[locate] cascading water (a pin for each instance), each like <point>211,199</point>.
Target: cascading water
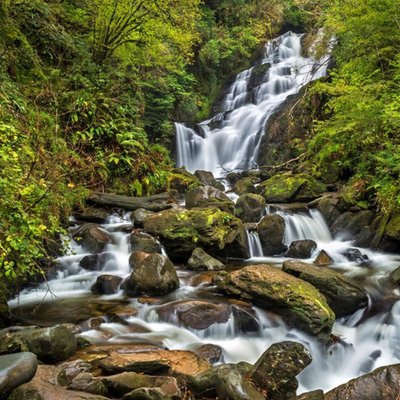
<point>234,145</point>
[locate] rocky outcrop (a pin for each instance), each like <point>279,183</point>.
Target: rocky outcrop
<point>301,249</point>
<point>208,196</point>
<point>200,260</point>
<point>297,301</point>
<point>152,274</point>
<point>250,207</point>
<point>271,231</point>
<point>288,187</point>
<point>276,370</point>
<point>343,294</point>
<point>181,231</point>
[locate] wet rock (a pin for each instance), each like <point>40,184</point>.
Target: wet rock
<point>152,274</point>
<point>86,382</point>
<point>323,259</point>
<point>211,353</point>
<point>250,207</point>
<point>301,249</point>
<point>208,196</point>
<point>93,215</point>
<point>208,179</point>
<point>181,180</point>
<point>49,344</point>
<point>276,370</point>
<point>258,74</point>
<point>181,231</point>
<point>41,388</point>
<point>352,224</point>
<point>297,301</point>
<point>381,384</point>
<point>225,382</point>
<point>141,241</point>
<point>271,231</point>
<point>106,284</point>
<point>5,315</point>
<point>368,364</point>
<point>343,294</point>
<point>91,237</point>
<point>138,216</point>
<point>174,362</point>
<point>354,255</point>
<point>329,207</point>
<point>69,370</point>
<point>394,276</point>
<point>244,185</point>
<point>314,395</point>
<point>16,369</point>
<point>245,319</point>
<point>200,260</point>
<point>11,343</point>
<point>288,187</point>
<point>94,262</point>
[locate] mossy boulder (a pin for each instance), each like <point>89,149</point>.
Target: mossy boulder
<point>343,294</point>
<point>392,230</point>
<point>250,207</point>
<point>181,231</point>
<point>181,180</point>
<point>298,302</point>
<point>93,238</point>
<point>271,231</point>
<point>244,185</point>
<point>288,187</point>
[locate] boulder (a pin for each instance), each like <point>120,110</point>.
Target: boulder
<point>258,75</point>
<point>250,207</point>
<point>224,382</point>
<point>297,301</point>
<point>208,196</point>
<point>323,259</point>
<point>139,215</point>
<point>343,294</point>
<point>91,237</point>
<point>106,284</point>
<point>271,231</point>
<point>86,382</point>
<point>329,207</point>
<point>244,185</point>
<point>355,255</point>
<point>381,384</point>
<point>351,224</point>
<point>301,249</point>
<point>181,180</point>
<point>181,231</point>
<point>152,274</point>
<point>94,262</point>
<point>276,370</point>
<point>51,345</point>
<point>16,369</point>
<point>69,370</point>
<point>208,179</point>
<point>200,260</point>
<point>288,187</point>
<point>392,230</point>
<point>141,241</point>
<point>210,352</point>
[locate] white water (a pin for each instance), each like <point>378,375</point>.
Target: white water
<point>234,145</point>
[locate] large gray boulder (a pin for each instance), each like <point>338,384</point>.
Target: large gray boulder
<point>250,207</point>
<point>343,294</point>
<point>271,231</point>
<point>152,274</point>
<point>16,369</point>
<point>297,301</point>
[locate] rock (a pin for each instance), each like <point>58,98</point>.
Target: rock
<point>343,294</point>
<point>175,362</point>
<point>301,249</point>
<point>208,179</point>
<point>181,180</point>
<point>250,207</point>
<point>271,231</point>
<point>328,206</point>
<point>139,215</point>
<point>155,203</point>
<point>69,370</point>
<point>394,276</point>
<point>323,259</point>
<point>11,343</point>
<point>181,231</point>
<point>141,241</point>
<point>200,260</point>
<point>352,224</point>
<point>51,345</point>
<point>94,262</point>
<point>93,215</point>
<point>151,394</point>
<point>314,395</point>
<point>5,315</point>
<point>106,284</point>
<point>287,188</point>
<point>208,196</point>
<point>224,382</point>
<point>258,74</point>
<point>244,185</point>
<point>16,369</point>
<point>41,388</point>
<point>276,370</point>
<point>212,353</point>
<point>297,301</point>
<point>85,382</point>
<point>381,384</point>
<point>354,255</point>
<point>91,237</point>
<point>392,230</point>
<point>152,274</point>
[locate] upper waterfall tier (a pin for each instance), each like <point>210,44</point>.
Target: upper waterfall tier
<point>234,144</point>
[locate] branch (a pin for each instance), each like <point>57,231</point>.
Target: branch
<point>286,162</point>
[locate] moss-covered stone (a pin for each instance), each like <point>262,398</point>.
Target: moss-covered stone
<point>244,185</point>
<point>288,187</point>
<point>299,303</point>
<point>181,231</point>
<point>392,230</point>
<point>181,180</point>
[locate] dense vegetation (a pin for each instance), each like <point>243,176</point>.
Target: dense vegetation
<point>89,91</point>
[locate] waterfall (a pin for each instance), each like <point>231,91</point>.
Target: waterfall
<point>233,145</point>
<point>254,243</point>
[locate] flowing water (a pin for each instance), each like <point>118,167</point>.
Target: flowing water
<point>234,144</point>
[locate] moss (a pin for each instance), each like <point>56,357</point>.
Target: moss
<point>181,180</point>
<point>393,228</point>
